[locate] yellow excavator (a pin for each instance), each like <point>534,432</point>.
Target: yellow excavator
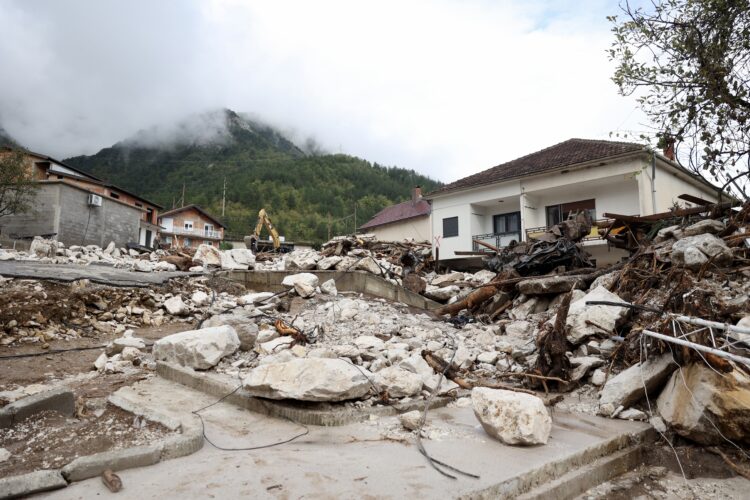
<point>251,241</point>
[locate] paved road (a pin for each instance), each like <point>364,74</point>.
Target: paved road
<point>104,275</point>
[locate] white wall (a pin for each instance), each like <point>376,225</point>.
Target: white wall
<point>670,184</point>
<point>416,227</point>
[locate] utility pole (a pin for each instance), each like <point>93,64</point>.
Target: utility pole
<point>355,217</point>
<point>224,197</point>
<point>329,226</point>
<point>182,200</point>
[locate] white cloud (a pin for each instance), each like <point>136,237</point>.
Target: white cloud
<point>446,88</point>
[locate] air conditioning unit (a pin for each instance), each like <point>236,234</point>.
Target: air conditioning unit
<point>94,200</point>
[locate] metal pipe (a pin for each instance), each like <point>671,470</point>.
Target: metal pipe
<point>698,347</point>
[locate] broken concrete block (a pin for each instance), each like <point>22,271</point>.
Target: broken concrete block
<point>684,251</point>
<point>550,285</point>
<point>632,384</point>
<point>175,306</point>
<point>699,404</point>
<point>197,349</point>
<point>512,417</point>
<point>303,283</point>
<point>397,382</point>
<point>308,379</point>
<point>582,317</point>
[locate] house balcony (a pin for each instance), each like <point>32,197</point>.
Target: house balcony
<point>597,230</point>
<point>497,240</point>
<point>195,233</point>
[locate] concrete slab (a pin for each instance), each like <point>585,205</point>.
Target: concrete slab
<point>60,400</point>
<point>33,482</point>
<point>374,458</point>
<point>66,273</point>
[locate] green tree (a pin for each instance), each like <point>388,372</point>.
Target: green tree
<point>17,186</point>
<point>688,62</point>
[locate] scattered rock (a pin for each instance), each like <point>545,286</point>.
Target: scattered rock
<point>512,417</point>
<point>175,306</point>
<point>632,414</point>
<point>197,349</point>
<point>411,420</point>
<point>303,283</point>
<point>582,317</point>
<point>329,288</point>
<point>370,265</point>
<point>685,252</point>
<point>243,324</point>
<point>200,298</point>
<point>207,255</point>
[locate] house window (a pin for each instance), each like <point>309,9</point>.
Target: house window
<point>558,213</point>
<point>168,239</point>
<point>208,229</point>
<point>114,195</point>
<point>506,223</point>
<point>188,225</point>
<point>139,205</point>
<point>206,242</point>
<point>450,227</point>
<point>186,242</point>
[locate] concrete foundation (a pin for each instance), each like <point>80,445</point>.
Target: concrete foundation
<point>346,281</point>
<point>374,459</point>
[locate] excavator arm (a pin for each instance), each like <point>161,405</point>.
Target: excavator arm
<point>264,220</point>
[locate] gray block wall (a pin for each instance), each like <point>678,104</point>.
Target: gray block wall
<point>62,209</point>
<point>40,219</point>
<point>81,224</point>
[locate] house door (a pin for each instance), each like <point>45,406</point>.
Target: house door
<point>148,238</point>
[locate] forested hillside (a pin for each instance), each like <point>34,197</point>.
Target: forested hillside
<point>262,169</point>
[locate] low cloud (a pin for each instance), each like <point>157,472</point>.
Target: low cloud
<point>445,88</point>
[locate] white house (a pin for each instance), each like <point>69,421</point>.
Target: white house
<point>410,219</point>
<point>516,199</point>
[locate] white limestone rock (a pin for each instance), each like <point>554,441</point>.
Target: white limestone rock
<point>441,294</point>
<point>329,288</point>
<point>243,257</point>
<point>327,263</point>
<point>411,420</point>
<point>200,298</point>
<point>242,322</point>
<point>164,267</point>
<point>369,342</point>
<point>207,255</point>
<point>398,382</point>
<point>197,349</point>
<point>370,265</point>
<point>303,283</point>
<point>685,251</point>
<point>512,417</point>
<point>175,306</point>
<point>308,379</point>
<point>228,263</point>
<point>445,279</point>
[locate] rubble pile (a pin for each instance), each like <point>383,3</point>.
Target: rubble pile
<point>39,312</point>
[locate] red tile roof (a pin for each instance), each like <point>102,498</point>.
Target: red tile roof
<point>568,153</point>
<point>402,211</point>
<point>205,214</point>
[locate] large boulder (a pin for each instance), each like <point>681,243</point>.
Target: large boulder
<point>327,263</point>
<point>197,349</point>
<point>685,252</point>
<point>242,323</point>
<point>228,263</point>
<point>243,257</point>
<point>398,382</point>
<point>303,283</point>
<point>550,285</point>
<point>308,379</point>
<point>582,318</point>
<point>701,227</point>
<point>702,405</point>
<point>446,279</point>
<point>632,384</point>
<point>512,417</point>
<point>441,294</point>
<point>207,255</point>
<point>301,259</point>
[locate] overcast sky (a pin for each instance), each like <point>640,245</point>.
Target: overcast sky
<point>447,88</point>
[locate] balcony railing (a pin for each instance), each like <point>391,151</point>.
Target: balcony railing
<point>497,240</point>
<point>195,233</point>
<point>595,234</point>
